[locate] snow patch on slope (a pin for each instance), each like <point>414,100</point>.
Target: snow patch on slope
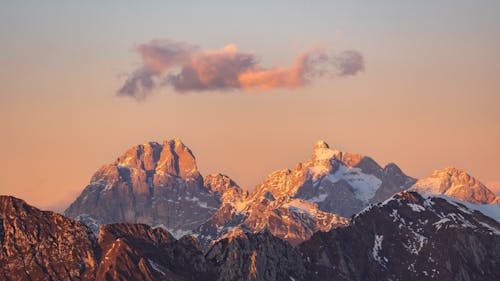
<point>301,206</point>
<point>490,210</point>
<point>377,247</point>
<point>416,208</point>
<point>319,198</point>
<point>365,186</point>
<point>428,186</point>
<point>156,267</point>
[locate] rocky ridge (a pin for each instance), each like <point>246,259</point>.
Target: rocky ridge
<point>407,237</point>
<point>38,245</point>
<point>160,185</point>
<point>316,195</point>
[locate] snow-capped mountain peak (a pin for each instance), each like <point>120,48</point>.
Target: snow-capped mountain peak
<point>456,183</point>
<point>322,151</point>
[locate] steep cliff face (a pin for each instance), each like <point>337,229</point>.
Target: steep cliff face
<point>155,184</point>
<point>139,252</point>
<point>38,245</point>
<point>408,237</point>
<point>458,184</point>
<point>241,255</point>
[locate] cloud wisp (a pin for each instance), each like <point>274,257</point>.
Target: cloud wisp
<point>187,68</point>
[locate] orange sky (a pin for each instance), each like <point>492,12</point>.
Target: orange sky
<point>52,147</point>
<point>427,99</point>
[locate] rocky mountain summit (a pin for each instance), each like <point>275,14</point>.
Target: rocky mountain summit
<point>338,182</point>
<point>156,184</point>
<point>458,184</point>
<point>316,195</point>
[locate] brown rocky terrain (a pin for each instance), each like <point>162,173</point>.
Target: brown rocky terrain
<point>41,245</point>
<point>407,237</point>
<point>244,255</point>
<point>139,252</point>
<point>38,245</point>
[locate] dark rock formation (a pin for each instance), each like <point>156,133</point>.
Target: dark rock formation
<point>408,238</point>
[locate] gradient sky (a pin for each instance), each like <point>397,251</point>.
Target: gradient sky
<point>429,96</point>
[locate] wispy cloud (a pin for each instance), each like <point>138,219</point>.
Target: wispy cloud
<point>186,67</point>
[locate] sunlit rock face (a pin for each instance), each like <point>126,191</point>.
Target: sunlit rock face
<point>225,189</point>
<point>160,185</point>
<point>156,184</point>
<point>39,245</point>
<point>458,184</point>
<point>316,195</point>
<point>338,182</point>
<point>408,237</point>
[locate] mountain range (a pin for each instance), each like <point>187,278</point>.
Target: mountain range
<point>151,215</point>
<point>160,185</point>
<point>406,237</point>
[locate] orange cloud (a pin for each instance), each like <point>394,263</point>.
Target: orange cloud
<point>186,67</point>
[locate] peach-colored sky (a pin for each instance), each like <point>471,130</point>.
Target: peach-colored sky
<point>494,186</point>
<point>427,99</point>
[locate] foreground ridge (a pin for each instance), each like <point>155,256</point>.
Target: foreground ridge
<point>406,237</point>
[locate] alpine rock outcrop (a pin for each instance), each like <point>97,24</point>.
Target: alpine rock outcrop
<point>42,245</point>
<point>39,245</point>
<point>156,184</point>
<point>316,195</point>
<point>458,184</point>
